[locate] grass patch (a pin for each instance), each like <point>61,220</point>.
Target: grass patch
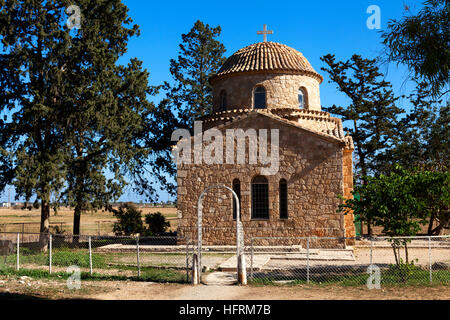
<point>389,277</point>
<point>147,274</point>
<point>60,257</point>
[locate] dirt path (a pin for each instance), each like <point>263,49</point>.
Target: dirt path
<point>153,291</point>
<point>129,290</point>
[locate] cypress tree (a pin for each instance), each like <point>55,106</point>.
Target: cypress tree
<point>78,118</point>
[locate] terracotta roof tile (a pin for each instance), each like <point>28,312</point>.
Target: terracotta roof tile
<point>264,57</point>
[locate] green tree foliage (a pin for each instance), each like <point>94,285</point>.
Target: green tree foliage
<point>423,135</point>
<point>372,112</point>
<point>129,220</point>
<point>199,58</point>
<point>79,119</point>
<point>434,189</point>
<point>422,43</point>
<point>402,202</point>
<point>188,96</point>
<point>32,67</point>
<point>157,223</point>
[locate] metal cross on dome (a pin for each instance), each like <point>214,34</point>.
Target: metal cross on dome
<point>265,32</point>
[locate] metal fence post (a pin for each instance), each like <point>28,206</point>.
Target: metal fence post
<point>195,273</point>
<point>138,264</point>
<point>251,259</point>
<point>307,260</point>
<point>18,252</point>
<point>429,259</point>
<point>90,256</point>
<point>50,255</point>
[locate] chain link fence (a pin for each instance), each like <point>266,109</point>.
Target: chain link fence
<point>160,258</point>
<point>373,261</point>
<point>97,227</point>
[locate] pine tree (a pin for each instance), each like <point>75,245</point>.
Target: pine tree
<point>188,97</point>
<point>423,139</point>
<point>200,57</point>
<point>421,42</point>
<point>32,67</point>
<point>371,116</point>
<point>77,116</point>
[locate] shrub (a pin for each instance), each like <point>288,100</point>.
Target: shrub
<point>157,223</point>
<point>129,220</point>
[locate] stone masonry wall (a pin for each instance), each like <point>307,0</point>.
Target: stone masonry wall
<point>281,89</point>
<point>347,167</point>
<point>313,168</point>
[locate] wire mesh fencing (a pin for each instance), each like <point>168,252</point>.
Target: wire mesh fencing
<point>94,228</point>
<point>372,262</point>
<point>159,258</point>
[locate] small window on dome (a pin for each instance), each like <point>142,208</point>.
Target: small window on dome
<point>259,98</point>
<point>302,99</point>
<point>223,100</point>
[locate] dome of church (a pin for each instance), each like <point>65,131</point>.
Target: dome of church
<point>267,57</point>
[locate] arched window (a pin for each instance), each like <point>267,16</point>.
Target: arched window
<point>223,100</point>
<point>259,98</point>
<point>283,199</point>
<point>260,198</point>
<point>237,190</point>
<point>302,98</point>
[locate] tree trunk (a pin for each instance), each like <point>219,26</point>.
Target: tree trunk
<point>395,254</point>
<point>437,231</point>
<point>406,253</point>
<point>369,228</point>
<point>430,226</point>
<point>45,225</point>
<point>76,223</point>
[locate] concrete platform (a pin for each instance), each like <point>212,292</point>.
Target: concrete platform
<point>260,260</point>
<point>117,247</point>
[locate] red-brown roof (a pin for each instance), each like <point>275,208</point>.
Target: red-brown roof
<point>263,57</point>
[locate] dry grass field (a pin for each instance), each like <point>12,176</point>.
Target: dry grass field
<point>92,223</point>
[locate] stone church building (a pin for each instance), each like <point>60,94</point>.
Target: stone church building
<point>268,85</point>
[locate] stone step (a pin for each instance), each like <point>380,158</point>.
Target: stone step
<point>231,264</point>
<point>219,279</point>
<point>321,256</point>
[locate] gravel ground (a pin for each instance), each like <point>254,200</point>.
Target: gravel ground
<point>28,288</point>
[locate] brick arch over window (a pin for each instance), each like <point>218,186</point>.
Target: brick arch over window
<point>260,198</point>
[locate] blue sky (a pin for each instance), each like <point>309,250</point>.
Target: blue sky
<point>315,28</point>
